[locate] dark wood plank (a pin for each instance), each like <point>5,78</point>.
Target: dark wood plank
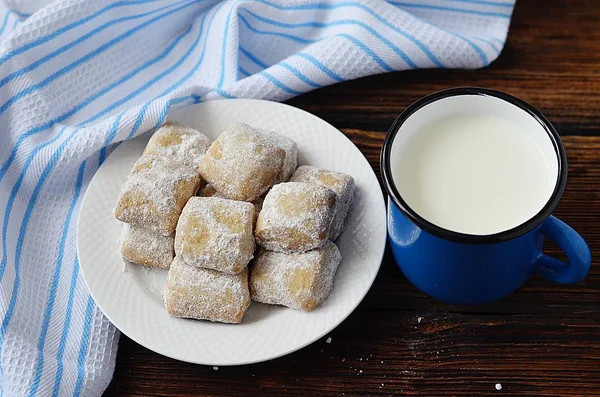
<point>551,60</point>
<point>445,354</point>
<point>542,340</point>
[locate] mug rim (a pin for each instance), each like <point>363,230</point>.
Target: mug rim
<point>447,234</point>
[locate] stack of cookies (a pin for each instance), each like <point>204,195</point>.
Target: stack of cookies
<point>155,192</point>
<point>253,201</point>
<point>296,227</point>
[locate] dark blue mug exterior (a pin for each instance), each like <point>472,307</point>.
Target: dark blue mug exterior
<point>468,269</point>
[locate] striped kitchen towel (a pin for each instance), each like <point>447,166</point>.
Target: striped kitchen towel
<point>79,76</point>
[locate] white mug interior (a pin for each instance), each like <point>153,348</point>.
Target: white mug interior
<point>480,104</point>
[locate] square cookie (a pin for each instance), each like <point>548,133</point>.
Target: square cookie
<point>300,281</point>
<point>242,163</point>
<point>208,191</point>
<point>178,142</point>
<point>144,247</point>
<point>216,233</point>
<point>291,154</point>
<point>205,294</point>
<point>342,185</point>
<point>155,192</point>
<point>295,217</point>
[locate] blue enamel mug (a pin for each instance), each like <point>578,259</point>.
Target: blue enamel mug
<point>461,267</point>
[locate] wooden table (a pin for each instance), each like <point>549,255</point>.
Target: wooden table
<point>543,340</point>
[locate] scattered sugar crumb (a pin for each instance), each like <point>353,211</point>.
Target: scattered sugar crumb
<point>360,359</point>
<point>343,359</point>
<point>322,350</point>
<point>328,340</point>
<point>419,319</point>
<point>382,385</point>
<point>360,371</point>
<point>216,368</point>
<point>382,361</point>
<point>498,386</point>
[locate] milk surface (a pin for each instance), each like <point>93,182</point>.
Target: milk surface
<point>474,173</point>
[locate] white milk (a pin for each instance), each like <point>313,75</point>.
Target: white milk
<point>475,173</point>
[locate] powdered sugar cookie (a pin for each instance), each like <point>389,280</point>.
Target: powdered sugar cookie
<point>178,142</point>
<point>155,192</point>
<point>295,217</point>
<point>342,185</point>
<point>144,247</point>
<point>216,233</point>
<point>205,294</point>
<point>242,164</point>
<point>301,281</point>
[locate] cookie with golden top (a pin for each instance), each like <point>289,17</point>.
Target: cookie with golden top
<point>178,142</point>
<point>216,233</point>
<point>342,185</point>
<point>144,247</point>
<point>291,154</point>
<point>205,294</point>
<point>155,192</point>
<point>301,281</point>
<point>208,191</point>
<point>242,163</point>
<point>295,217</point>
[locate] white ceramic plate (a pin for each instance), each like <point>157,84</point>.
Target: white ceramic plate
<point>131,296</point>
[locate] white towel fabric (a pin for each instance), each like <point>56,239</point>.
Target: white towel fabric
<point>78,76</point>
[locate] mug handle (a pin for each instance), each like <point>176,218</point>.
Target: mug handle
<point>573,245</point>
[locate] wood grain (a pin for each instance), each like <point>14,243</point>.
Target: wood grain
<point>542,340</point>
<point>550,60</point>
